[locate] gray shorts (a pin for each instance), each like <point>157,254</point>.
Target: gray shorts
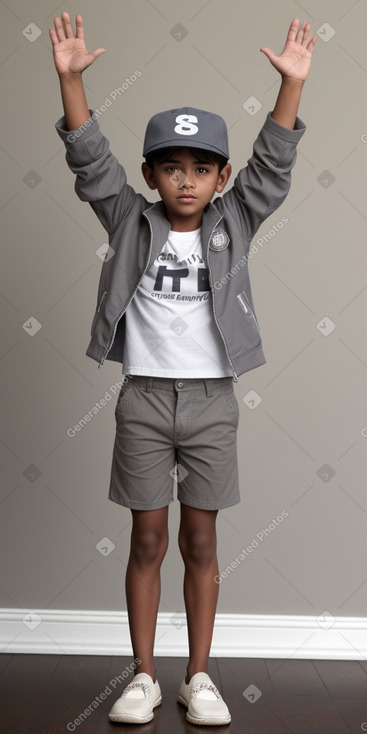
<point>175,429</point>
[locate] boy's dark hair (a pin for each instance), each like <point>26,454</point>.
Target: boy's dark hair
<point>166,154</point>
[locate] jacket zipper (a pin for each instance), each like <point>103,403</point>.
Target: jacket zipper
<point>132,295</point>
<point>215,317</point>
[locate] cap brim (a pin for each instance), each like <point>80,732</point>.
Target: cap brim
<point>184,144</point>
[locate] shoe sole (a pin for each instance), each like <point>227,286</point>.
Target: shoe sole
<point>131,719</point>
<point>204,721</point>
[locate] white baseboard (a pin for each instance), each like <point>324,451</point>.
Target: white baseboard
<point>72,632</point>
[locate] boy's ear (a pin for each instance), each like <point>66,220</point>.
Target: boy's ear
<point>148,175</point>
<point>223,178</point>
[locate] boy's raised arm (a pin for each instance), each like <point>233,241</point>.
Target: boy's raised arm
<point>100,178</point>
<point>71,58</point>
<point>294,65</point>
<point>262,186</point>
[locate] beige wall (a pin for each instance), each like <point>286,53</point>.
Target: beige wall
<point>313,387</point>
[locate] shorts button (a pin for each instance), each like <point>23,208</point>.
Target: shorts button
<point>180,383</point>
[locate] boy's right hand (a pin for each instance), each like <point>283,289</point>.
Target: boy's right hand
<point>70,54</point>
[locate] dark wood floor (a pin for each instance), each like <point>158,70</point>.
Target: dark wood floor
<point>45,694</point>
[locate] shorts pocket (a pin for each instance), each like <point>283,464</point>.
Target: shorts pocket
<point>231,401</point>
<point>124,395</point>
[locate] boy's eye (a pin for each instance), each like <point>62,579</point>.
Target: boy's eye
<point>174,169</point>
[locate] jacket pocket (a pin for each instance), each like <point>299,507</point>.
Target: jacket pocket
<point>101,301</point>
<point>251,321</point>
<point>96,313</point>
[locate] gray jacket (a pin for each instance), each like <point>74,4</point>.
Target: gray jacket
<point>137,229</point>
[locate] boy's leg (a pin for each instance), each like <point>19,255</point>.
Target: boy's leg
<point>149,542</point>
<point>198,544</point>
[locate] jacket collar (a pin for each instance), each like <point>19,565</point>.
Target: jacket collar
<point>156,214</point>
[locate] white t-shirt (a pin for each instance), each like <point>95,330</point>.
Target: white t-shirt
<point>170,326</point>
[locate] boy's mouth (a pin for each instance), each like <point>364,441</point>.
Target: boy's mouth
<point>186,196</point>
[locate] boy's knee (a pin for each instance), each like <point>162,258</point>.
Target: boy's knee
<point>198,547</point>
<point>149,546</point>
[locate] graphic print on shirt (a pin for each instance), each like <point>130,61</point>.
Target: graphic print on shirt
<point>170,328</point>
<point>179,273</point>
<point>180,279</point>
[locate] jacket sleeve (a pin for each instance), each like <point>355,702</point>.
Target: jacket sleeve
<point>100,178</point>
<point>261,186</point>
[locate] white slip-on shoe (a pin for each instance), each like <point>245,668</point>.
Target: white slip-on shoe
<point>204,703</point>
<point>137,701</point>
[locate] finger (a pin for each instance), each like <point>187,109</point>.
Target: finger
<point>311,44</point>
<point>59,28</point>
<point>98,52</point>
<point>67,25</point>
<point>79,27</point>
<point>269,53</point>
<point>293,30</point>
<point>301,33</point>
<point>53,36</point>
<point>306,34</point>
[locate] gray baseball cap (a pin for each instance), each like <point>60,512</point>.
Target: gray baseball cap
<point>186,127</point>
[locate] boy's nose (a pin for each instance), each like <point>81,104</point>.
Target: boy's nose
<point>187,180</point>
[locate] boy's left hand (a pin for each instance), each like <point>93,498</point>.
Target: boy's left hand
<point>295,60</point>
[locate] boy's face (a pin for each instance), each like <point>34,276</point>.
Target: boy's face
<point>186,184</point>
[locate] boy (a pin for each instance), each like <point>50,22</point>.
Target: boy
<point>175,308</point>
